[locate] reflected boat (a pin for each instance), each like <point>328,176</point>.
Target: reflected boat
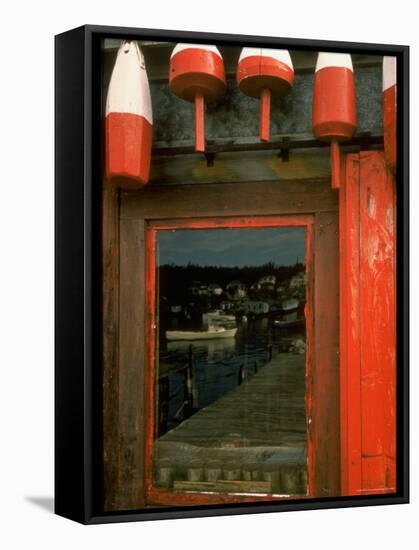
<point>297,324</point>
<point>218,318</point>
<point>210,334</point>
<point>290,305</point>
<point>291,323</point>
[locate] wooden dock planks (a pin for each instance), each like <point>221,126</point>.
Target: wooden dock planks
<point>267,410</point>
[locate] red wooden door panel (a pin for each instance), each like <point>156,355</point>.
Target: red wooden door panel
<point>368,334</point>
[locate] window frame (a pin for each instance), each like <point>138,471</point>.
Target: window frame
<point>159,496</point>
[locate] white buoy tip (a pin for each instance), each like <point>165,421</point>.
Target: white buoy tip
<point>389,72</point>
<point>280,55</point>
<point>129,91</point>
<point>326,59</point>
<point>180,47</point>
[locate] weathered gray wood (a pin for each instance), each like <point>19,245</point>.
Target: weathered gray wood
<point>239,167</point>
<point>110,324</point>
<point>225,485</point>
<point>229,199</point>
<point>324,414</point>
<point>131,364</point>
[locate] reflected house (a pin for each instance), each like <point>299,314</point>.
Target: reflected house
<point>297,285</point>
<point>226,306</point>
<point>194,288</point>
<point>198,289</point>
<point>255,287</point>
<point>215,289</point>
<point>298,280</point>
<point>268,282</point>
<point>236,290</point>
<point>281,289</point>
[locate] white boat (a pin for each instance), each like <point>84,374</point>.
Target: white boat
<point>217,318</point>
<point>290,305</point>
<point>211,333</point>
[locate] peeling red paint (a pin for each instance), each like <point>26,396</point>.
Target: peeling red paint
<point>368,334</point>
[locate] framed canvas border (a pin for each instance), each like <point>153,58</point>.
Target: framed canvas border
<point>78,311</point>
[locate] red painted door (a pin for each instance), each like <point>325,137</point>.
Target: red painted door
<point>368,331</point>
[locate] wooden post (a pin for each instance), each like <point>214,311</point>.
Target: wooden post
<point>199,123</point>
<point>110,320</point>
<point>163,396</point>
<point>189,383</point>
<point>265,113</point>
<point>241,374</point>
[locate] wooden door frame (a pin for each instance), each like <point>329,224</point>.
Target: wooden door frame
<point>126,215</point>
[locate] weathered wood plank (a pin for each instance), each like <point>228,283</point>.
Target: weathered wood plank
<point>266,410</point>
<point>131,364</point>
<point>246,199</point>
<point>110,323</point>
<point>324,420</point>
<point>240,167</point>
<point>225,486</point>
<point>253,439</point>
<point>350,328</point>
<point>377,318</point>
<point>368,321</point>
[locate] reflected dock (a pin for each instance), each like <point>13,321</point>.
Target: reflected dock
<point>252,437</point>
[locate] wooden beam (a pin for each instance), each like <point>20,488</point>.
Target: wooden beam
<point>248,199</point>
<point>131,365</point>
<point>324,414</point>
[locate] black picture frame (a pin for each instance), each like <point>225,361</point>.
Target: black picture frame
<point>78,468</point>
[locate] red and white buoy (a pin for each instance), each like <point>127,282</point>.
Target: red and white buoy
<point>334,104</point>
<point>197,74</point>
<point>129,120</point>
<point>389,110</point>
<point>263,73</point>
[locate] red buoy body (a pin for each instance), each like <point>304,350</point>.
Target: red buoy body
<point>334,104</point>
<point>263,73</point>
<point>129,120</point>
<point>197,74</point>
<point>390,111</point>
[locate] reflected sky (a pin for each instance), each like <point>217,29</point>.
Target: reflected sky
<point>231,247</point>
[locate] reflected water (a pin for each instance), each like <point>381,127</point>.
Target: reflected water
<point>217,362</point>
